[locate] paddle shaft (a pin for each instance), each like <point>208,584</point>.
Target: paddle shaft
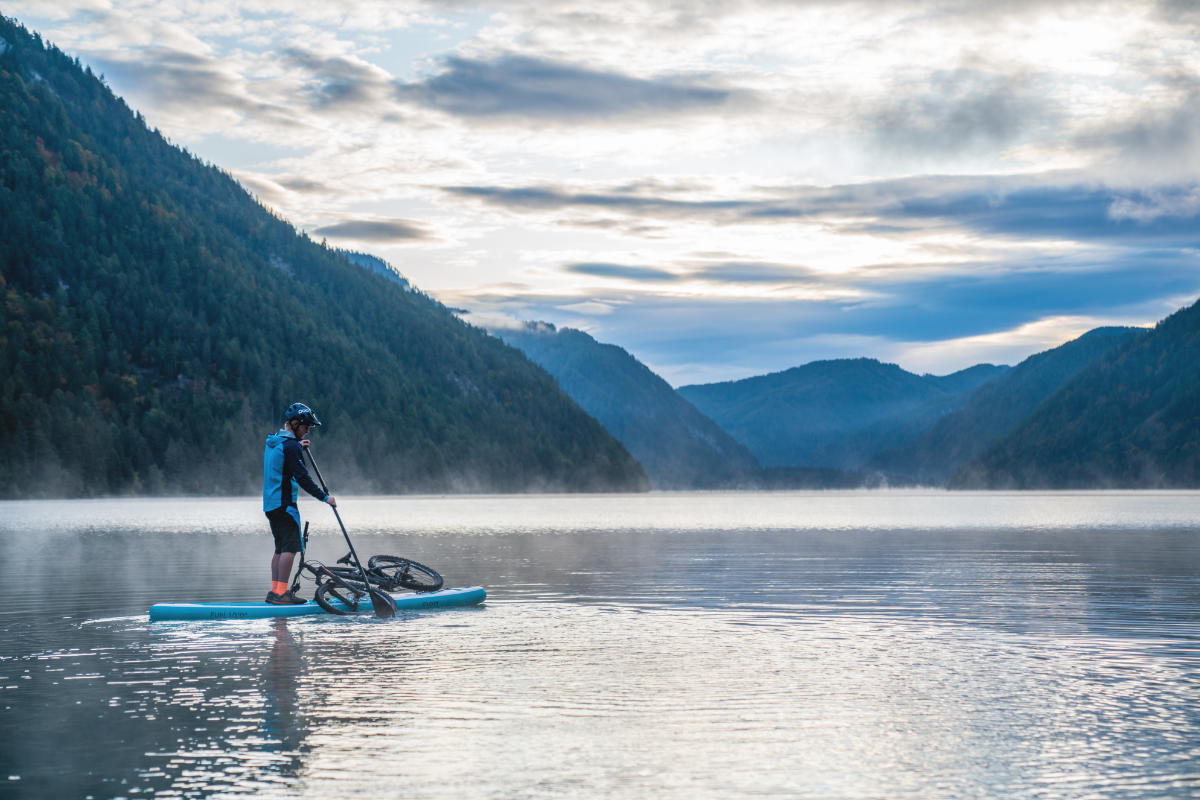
<point>375,601</point>
<point>325,489</point>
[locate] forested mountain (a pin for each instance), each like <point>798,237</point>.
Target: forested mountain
<point>1129,420</point>
<point>157,320</point>
<point>996,408</point>
<point>835,414</point>
<point>677,445</point>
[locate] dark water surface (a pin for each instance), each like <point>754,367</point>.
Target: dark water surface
<point>825,645</point>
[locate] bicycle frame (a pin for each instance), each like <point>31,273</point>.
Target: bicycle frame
<point>320,571</point>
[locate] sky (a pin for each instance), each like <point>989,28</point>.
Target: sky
<point>724,189</point>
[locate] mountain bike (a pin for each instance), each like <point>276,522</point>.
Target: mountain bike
<point>340,587</point>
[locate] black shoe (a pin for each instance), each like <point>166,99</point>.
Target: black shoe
<point>285,599</point>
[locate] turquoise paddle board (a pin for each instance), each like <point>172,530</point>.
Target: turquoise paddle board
<point>463,596</point>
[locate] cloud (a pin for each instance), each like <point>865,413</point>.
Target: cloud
<point>588,307</point>
<point>519,86</point>
<point>1179,12</point>
<point>196,92</point>
<point>550,198</point>
<point>308,185</point>
<point>1066,206</point>
<point>376,230</point>
<point>758,272</point>
<point>993,298</point>
<point>960,110</point>
<point>338,82</point>
<point>1027,210</point>
<point>652,274</point>
<point>173,78</point>
<point>1156,143</point>
<point>697,271</point>
<point>1149,206</point>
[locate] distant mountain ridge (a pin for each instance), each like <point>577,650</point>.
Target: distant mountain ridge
<point>833,414</point>
<point>996,408</point>
<point>1131,419</point>
<point>678,446</point>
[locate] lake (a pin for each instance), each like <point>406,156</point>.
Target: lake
<point>900,644</point>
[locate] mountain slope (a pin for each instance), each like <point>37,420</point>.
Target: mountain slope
<point>156,320</point>
<point>996,408</point>
<point>376,265</point>
<point>677,445</point>
<point>832,413</point>
<point>1131,419</point>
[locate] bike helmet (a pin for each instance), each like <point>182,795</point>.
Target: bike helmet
<point>303,413</point>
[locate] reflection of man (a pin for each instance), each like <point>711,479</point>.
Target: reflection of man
<point>279,693</point>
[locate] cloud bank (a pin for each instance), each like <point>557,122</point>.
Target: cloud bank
<point>718,187</point>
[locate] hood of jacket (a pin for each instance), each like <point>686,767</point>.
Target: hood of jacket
<point>276,440</point>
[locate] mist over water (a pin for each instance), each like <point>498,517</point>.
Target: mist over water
<point>832,645</point>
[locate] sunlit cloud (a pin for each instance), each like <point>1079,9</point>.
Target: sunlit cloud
<point>1013,345</point>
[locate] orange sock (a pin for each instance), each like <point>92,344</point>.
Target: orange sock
<point>278,587</point>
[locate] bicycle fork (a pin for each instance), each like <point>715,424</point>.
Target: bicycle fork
<point>300,568</point>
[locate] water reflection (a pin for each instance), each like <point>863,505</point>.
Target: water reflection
<point>282,732</point>
<point>232,697</point>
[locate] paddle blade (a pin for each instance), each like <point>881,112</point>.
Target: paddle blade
<point>384,605</point>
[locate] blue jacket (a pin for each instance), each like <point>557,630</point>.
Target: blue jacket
<point>284,470</point>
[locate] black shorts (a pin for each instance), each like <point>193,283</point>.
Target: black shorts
<point>286,530</point>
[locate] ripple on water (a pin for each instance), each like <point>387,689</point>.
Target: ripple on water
<point>669,700</point>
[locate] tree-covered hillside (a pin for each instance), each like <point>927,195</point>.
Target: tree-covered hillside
<point>1130,420</point>
<point>996,408</point>
<point>375,264</point>
<point>157,320</point>
<point>836,414</point>
<point>679,447</point>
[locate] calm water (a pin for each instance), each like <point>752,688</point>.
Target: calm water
<point>826,645</point>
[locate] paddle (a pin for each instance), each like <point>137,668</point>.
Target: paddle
<point>385,606</point>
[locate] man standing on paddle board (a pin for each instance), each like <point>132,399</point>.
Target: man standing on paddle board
<point>283,472</point>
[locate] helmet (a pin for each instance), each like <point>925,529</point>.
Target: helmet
<point>303,413</point>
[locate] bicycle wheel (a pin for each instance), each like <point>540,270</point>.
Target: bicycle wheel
<point>404,572</point>
<point>337,598</point>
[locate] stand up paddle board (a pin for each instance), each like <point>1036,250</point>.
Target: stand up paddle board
<point>462,596</point>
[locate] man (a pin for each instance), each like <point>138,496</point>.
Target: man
<point>283,471</point>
